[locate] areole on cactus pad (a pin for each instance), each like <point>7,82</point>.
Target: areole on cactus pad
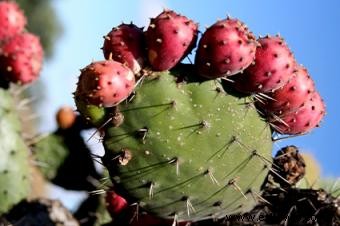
<point>188,147</point>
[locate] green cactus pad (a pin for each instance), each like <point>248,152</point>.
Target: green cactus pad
<point>50,153</point>
<point>14,159</point>
<point>189,148</point>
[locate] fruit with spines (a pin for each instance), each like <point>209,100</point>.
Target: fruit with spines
<point>292,95</point>
<point>105,83</point>
<point>188,148</point>
<point>12,20</point>
<point>226,48</point>
<point>303,120</point>
<point>169,37</point>
<point>21,58</point>
<point>274,65</point>
<point>126,44</point>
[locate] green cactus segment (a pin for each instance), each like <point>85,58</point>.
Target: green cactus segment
<point>189,148</point>
<point>330,185</point>
<point>14,161</point>
<point>50,153</point>
<point>93,114</point>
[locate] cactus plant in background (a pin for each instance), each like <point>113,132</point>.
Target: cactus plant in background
<point>14,161</point>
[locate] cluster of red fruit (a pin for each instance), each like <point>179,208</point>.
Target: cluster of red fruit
<point>227,50</point>
<point>21,54</point>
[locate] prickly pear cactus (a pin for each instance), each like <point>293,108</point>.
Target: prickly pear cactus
<point>14,161</point>
<point>50,153</point>
<point>188,148</point>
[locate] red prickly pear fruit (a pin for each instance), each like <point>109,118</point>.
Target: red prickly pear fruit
<point>170,37</point>
<point>12,20</point>
<point>274,65</point>
<point>115,204</point>
<point>226,48</point>
<point>21,58</point>
<point>105,83</point>
<point>292,95</point>
<point>126,45</point>
<point>303,120</point>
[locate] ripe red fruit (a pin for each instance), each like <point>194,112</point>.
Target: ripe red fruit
<point>303,120</point>
<point>126,45</point>
<point>292,95</point>
<point>12,20</point>
<point>21,58</point>
<point>170,37</point>
<point>274,66</point>
<point>115,203</point>
<point>226,48</point>
<point>105,83</point>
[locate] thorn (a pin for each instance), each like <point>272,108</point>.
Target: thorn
<point>97,192</point>
<point>228,79</point>
<point>174,223</point>
<point>236,187</point>
<point>151,190</point>
<point>110,58</point>
<point>190,207</point>
<point>177,167</point>
<point>213,178</point>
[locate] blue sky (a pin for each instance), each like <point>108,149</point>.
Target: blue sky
<point>311,29</point>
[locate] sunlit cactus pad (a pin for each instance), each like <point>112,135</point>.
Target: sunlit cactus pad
<point>188,147</point>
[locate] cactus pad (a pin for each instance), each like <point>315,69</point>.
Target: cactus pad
<point>188,148</point>
<point>50,152</point>
<point>14,161</point>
